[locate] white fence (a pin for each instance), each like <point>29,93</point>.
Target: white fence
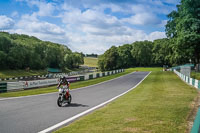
<point>191,81</point>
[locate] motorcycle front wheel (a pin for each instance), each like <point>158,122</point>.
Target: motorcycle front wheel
<point>59,102</point>
<point>69,99</point>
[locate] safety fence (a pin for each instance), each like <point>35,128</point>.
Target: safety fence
<point>196,84</point>
<point>191,81</point>
<point>9,86</point>
<point>50,75</point>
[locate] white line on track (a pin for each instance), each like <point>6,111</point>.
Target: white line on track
<point>52,128</point>
<point>10,98</point>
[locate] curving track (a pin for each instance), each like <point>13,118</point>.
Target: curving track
<point>37,113</point>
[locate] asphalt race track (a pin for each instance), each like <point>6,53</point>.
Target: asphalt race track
<point>36,113</point>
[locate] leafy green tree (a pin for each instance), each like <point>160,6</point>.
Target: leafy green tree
<point>23,51</point>
<point>17,57</point>
<point>101,59</point>
<point>3,57</point>
<point>77,59</point>
<point>126,59</point>
<point>184,27</point>
<point>162,52</point>
<point>5,44</point>
<point>68,60</point>
<point>142,53</point>
<point>109,60</point>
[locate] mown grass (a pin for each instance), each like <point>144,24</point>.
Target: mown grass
<point>20,73</point>
<point>147,69</point>
<point>195,75</point>
<point>161,104</point>
<point>72,86</point>
<point>90,61</point>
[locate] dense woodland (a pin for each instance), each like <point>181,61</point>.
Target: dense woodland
<point>25,52</point>
<point>181,46</point>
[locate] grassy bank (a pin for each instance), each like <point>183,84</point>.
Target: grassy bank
<point>195,75</point>
<point>160,104</point>
<point>20,73</point>
<point>73,86</point>
<point>91,62</point>
<point>147,68</point>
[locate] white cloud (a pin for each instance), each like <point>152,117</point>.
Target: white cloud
<point>156,35</point>
<point>90,30</point>
<point>15,14</point>
<point>90,17</point>
<point>172,1</point>
<point>30,25</point>
<point>163,23</point>
<point>45,9</point>
<point>6,22</point>
<point>95,43</point>
<point>142,19</point>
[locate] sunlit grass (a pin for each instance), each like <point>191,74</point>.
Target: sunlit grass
<point>20,73</point>
<point>160,104</point>
<point>90,61</point>
<point>195,75</point>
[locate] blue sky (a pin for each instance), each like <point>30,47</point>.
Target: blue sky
<point>88,26</point>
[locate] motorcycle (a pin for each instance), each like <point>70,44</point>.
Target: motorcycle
<point>64,97</point>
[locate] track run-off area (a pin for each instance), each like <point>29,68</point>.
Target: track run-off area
<point>41,114</point>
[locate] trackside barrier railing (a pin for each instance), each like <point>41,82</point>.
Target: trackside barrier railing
<point>3,87</point>
<point>191,81</point>
<point>9,86</point>
<point>196,84</point>
<point>46,76</point>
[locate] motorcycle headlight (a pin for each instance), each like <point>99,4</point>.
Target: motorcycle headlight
<point>60,90</point>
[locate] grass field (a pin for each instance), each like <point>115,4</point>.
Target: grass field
<point>195,75</point>
<point>161,104</point>
<point>72,86</point>
<point>20,73</point>
<point>91,62</point>
<point>147,69</point>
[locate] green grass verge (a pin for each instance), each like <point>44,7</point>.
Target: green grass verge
<point>91,62</point>
<point>160,104</point>
<point>20,73</point>
<point>195,75</point>
<point>147,69</point>
<point>73,86</point>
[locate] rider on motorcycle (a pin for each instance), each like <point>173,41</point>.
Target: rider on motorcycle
<point>65,85</point>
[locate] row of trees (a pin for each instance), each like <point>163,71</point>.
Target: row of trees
<point>141,53</point>
<point>183,29</point>
<point>22,51</point>
<point>181,46</point>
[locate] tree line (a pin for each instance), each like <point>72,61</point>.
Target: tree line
<point>23,51</point>
<point>181,46</point>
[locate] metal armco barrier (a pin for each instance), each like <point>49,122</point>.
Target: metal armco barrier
<point>91,76</point>
<point>82,78</point>
<point>97,75</point>
<point>3,87</point>
<point>9,86</point>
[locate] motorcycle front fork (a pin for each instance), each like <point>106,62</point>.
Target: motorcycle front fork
<point>67,94</point>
